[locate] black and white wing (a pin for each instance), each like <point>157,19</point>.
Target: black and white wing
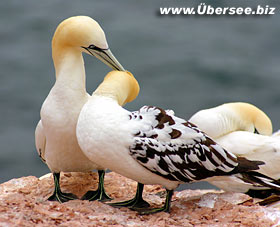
<point>177,150</point>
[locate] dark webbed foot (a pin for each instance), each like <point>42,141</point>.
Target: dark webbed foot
<point>58,195</point>
<point>96,195</point>
<point>262,194</point>
<point>136,202</point>
<point>62,197</point>
<point>100,193</point>
<point>132,203</point>
<point>268,196</point>
<point>165,208</point>
<point>269,200</point>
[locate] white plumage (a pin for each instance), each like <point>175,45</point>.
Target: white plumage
<point>150,146</point>
<point>40,140</point>
<point>55,134</point>
<point>233,125</point>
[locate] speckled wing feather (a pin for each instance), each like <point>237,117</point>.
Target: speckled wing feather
<point>176,149</point>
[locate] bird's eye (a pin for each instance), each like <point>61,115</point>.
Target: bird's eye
<point>93,47</point>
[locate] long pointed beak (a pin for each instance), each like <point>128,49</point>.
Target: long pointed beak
<point>106,56</point>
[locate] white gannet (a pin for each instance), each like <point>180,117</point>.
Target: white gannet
<point>151,146</point>
<point>230,117</point>
<point>55,134</point>
<point>246,131</point>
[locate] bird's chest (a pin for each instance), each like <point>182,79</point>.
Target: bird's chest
<point>60,110</point>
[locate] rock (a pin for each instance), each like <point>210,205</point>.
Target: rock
<point>23,202</point>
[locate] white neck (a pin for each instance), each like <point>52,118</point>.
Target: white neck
<point>69,68</point>
<point>218,121</point>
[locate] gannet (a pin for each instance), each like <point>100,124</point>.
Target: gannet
<point>151,146</point>
<point>55,134</point>
<point>246,131</point>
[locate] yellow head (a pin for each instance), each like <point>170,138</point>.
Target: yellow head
<point>251,118</point>
<point>82,34</point>
<point>230,117</point>
<point>79,31</point>
<point>120,85</point>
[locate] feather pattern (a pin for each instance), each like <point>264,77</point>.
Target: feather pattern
<point>176,149</point>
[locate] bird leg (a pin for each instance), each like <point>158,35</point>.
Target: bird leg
<point>136,202</point>
<point>165,208</point>
<point>58,195</point>
<point>100,193</point>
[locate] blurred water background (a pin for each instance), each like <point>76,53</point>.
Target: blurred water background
<point>184,63</point>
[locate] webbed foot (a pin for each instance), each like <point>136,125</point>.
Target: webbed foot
<point>136,202</point>
<point>100,193</point>
<point>58,195</point>
<point>165,208</point>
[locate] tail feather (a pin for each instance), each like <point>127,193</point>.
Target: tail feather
<point>259,180</point>
<point>245,170</point>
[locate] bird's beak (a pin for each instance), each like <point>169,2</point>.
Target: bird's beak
<point>106,56</point>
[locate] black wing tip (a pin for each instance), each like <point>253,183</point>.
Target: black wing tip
<point>260,179</point>
<point>245,165</point>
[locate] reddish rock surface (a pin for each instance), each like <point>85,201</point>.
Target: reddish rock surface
<point>23,202</point>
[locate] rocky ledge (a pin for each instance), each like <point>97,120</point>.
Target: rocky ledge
<point>23,202</point>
